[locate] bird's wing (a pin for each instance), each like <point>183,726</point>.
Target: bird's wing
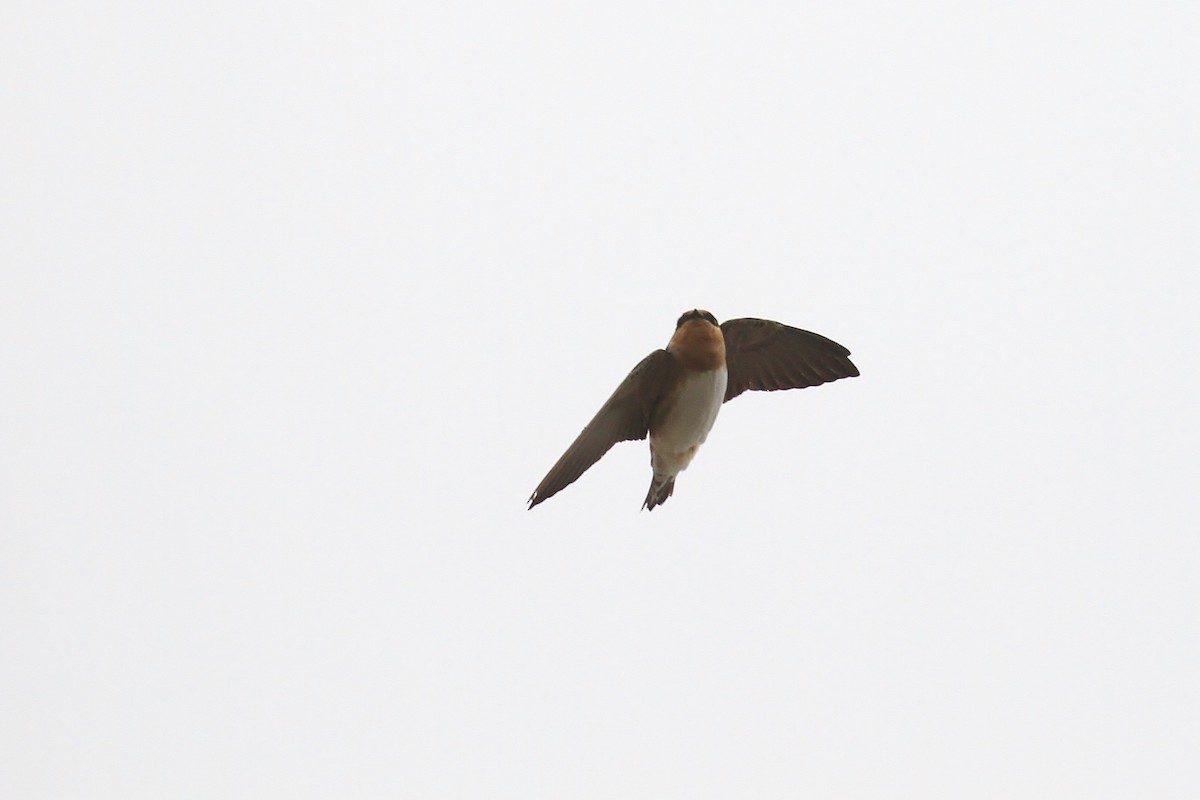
<point>625,416</point>
<point>762,355</point>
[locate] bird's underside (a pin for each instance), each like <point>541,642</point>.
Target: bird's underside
<point>674,395</point>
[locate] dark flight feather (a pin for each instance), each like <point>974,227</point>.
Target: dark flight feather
<point>623,417</point>
<point>766,356</point>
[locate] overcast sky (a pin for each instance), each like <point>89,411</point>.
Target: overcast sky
<point>300,302</point>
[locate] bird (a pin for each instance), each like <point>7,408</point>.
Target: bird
<point>674,394</point>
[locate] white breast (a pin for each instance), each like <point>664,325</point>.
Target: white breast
<point>688,422</point>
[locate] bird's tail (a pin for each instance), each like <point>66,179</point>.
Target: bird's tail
<point>661,487</point>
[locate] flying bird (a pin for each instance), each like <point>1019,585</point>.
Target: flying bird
<point>674,395</point>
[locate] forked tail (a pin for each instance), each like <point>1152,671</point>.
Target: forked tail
<point>661,487</point>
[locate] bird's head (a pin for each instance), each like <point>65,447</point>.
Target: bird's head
<point>695,313</point>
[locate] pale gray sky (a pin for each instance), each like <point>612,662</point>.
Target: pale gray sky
<point>300,303</point>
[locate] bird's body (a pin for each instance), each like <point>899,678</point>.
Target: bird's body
<point>674,395</point>
<point>690,407</point>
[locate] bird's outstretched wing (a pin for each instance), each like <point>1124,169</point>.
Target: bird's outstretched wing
<point>762,355</point>
<point>625,416</point>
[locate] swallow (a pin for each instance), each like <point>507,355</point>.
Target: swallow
<point>674,394</point>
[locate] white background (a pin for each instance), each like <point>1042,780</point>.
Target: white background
<point>299,302</point>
